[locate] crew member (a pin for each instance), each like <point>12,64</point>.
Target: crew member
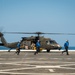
<point>66,45</point>
<point>18,48</point>
<point>37,47</point>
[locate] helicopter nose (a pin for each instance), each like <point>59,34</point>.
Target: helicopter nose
<point>59,47</point>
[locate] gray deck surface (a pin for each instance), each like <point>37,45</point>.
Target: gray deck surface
<point>54,63</point>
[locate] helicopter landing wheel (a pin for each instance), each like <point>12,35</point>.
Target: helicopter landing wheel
<point>48,50</point>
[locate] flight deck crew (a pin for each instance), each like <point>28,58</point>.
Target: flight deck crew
<point>66,45</point>
<point>37,47</point>
<point>18,48</point>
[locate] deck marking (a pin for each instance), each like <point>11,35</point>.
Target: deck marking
<point>47,66</point>
<point>51,70</point>
<point>37,73</point>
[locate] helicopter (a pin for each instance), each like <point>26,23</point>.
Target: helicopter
<point>29,42</point>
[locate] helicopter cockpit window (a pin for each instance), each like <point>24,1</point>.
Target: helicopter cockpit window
<point>47,42</point>
<point>52,42</point>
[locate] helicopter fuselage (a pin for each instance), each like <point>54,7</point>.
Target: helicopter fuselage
<point>46,43</point>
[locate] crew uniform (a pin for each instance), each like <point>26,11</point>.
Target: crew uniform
<point>18,48</point>
<point>66,45</point>
<point>37,47</point>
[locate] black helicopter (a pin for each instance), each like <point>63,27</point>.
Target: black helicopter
<point>29,42</point>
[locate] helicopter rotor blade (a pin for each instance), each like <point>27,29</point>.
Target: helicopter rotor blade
<point>18,33</point>
<point>60,33</point>
<point>23,32</point>
<point>39,33</point>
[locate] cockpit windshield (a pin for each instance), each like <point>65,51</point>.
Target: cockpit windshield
<point>47,42</point>
<point>52,42</point>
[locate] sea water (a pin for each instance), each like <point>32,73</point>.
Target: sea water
<point>70,48</point>
<point>5,48</point>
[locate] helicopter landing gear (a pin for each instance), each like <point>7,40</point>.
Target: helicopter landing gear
<point>17,51</point>
<point>9,49</point>
<point>48,50</point>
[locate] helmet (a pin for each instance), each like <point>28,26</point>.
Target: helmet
<point>66,40</point>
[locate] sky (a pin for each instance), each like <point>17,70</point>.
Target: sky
<point>49,16</point>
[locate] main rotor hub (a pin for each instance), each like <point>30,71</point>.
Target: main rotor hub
<point>38,32</point>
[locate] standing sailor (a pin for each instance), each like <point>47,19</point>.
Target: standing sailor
<point>66,45</point>
<point>18,48</point>
<point>37,47</point>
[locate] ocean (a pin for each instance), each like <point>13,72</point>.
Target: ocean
<point>5,48</point>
